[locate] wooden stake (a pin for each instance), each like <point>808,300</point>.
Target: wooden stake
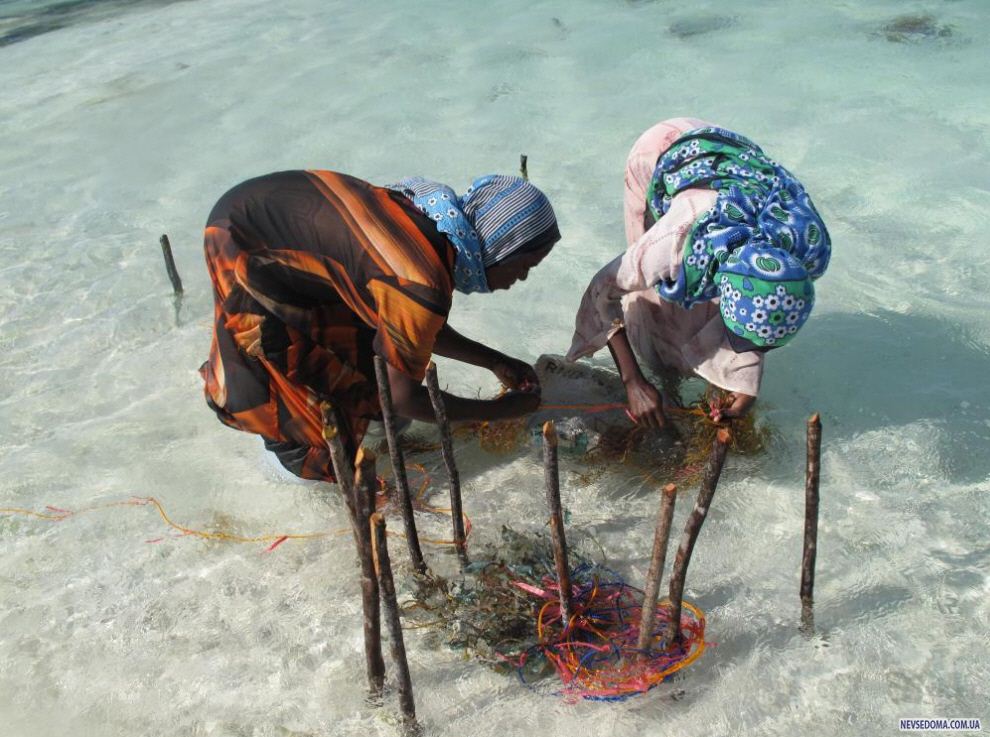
<point>692,527</point>
<point>523,170</point>
<point>447,449</point>
<point>173,273</point>
<point>386,585</point>
<point>398,466</point>
<point>658,558</point>
<point>807,627</point>
<point>551,473</point>
<point>342,468</point>
<point>364,504</point>
<point>811,477</point>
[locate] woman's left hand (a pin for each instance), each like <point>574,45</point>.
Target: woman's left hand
<point>739,404</point>
<point>516,375</point>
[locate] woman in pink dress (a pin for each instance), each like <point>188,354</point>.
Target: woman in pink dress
<point>723,246</point>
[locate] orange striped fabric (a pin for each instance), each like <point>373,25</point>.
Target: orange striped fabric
<point>313,273</point>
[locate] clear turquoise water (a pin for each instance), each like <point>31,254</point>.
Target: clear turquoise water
<point>129,120</point>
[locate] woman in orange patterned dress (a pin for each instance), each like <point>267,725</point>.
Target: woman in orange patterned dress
<point>315,272</point>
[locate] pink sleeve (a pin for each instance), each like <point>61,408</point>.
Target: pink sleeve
<point>640,166</point>
<point>656,256</point>
<point>712,358</point>
<point>653,255</point>
<point>658,253</point>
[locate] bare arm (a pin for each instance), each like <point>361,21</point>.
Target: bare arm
<point>451,344</point>
<point>411,399</point>
<point>645,402</point>
<point>512,372</point>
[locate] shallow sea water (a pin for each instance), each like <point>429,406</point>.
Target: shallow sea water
<point>121,121</point>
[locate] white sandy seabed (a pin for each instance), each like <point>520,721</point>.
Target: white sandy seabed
<point>124,125</point>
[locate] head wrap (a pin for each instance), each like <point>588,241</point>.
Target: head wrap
<point>765,295</point>
<point>763,213</point>
<point>497,217</point>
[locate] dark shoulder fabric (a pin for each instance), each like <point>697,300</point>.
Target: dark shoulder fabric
<point>313,273</point>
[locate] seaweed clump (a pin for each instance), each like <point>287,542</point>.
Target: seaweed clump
<point>914,28</point>
<point>683,461</point>
<point>749,437</point>
<point>660,459</point>
<point>483,611</point>
<point>700,25</point>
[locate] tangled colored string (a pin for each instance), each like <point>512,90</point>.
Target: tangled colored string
<point>595,655</point>
<point>503,610</point>
<point>274,540</point>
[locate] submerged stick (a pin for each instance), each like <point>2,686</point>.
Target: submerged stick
<point>364,506</point>
<point>523,170</point>
<point>386,585</point>
<point>398,466</point>
<point>648,611</point>
<point>357,508</point>
<point>709,481</point>
<point>551,473</point>
<point>173,273</point>
<point>447,450</point>
<point>807,627</point>
<point>811,477</point>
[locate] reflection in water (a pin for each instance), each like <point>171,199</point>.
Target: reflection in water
<point>897,369</point>
<point>700,24</point>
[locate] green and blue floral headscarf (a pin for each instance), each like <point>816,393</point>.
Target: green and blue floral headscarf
<point>766,295</point>
<point>760,246</point>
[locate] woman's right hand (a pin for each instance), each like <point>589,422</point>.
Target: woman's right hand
<point>646,404</point>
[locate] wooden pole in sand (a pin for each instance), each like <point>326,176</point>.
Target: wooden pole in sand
<point>660,537</point>
<point>398,467</point>
<point>692,527</point>
<point>173,273</point>
<point>447,450</point>
<point>342,468</point>
<point>811,476</point>
<point>364,505</point>
<point>386,585</point>
<point>551,473</point>
<point>354,498</point>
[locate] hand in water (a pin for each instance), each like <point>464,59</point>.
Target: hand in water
<point>646,404</point>
<point>737,405</point>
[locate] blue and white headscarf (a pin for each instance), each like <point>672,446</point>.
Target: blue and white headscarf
<point>497,216</point>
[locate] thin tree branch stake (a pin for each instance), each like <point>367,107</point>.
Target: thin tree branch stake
<point>551,473</point>
<point>364,506</point>
<point>447,449</point>
<point>386,585</point>
<point>398,466</point>
<point>692,527</point>
<point>807,626</point>
<point>653,578</point>
<point>342,468</point>
<point>812,472</point>
<point>173,273</point>
<point>357,508</point>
